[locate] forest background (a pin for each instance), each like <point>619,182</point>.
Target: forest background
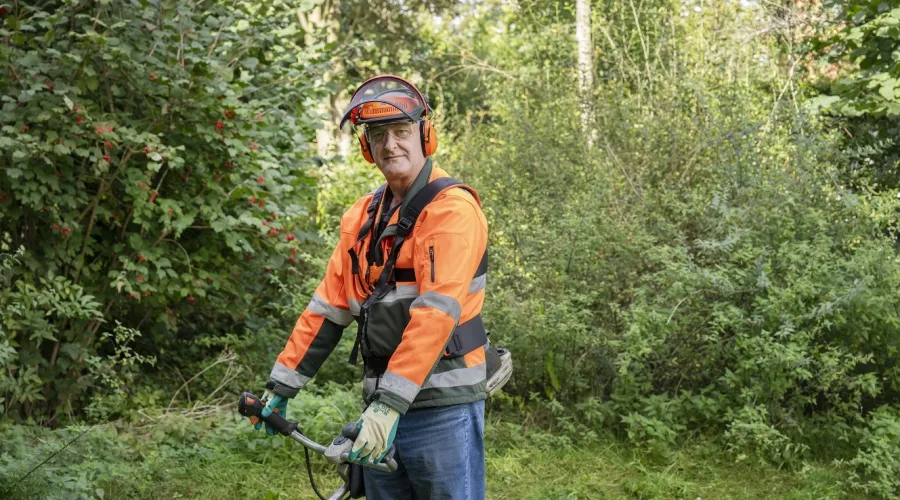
<point>694,210</point>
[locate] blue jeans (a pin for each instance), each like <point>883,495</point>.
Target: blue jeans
<point>440,455</point>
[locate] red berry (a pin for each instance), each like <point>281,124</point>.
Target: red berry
<point>220,125</point>
<point>153,196</point>
<point>249,256</point>
<point>107,145</point>
<point>79,119</point>
<point>26,128</point>
<point>75,107</point>
<point>146,150</point>
<point>152,76</point>
<point>290,260</point>
<point>170,211</point>
<point>4,10</point>
<point>261,203</point>
<point>259,116</point>
<point>140,278</point>
<point>229,113</point>
<point>252,200</point>
<point>267,269</point>
<point>260,180</point>
<point>191,299</point>
<point>217,177</point>
<point>141,258</point>
<point>254,146</point>
<point>291,237</point>
<point>209,279</point>
<point>106,158</point>
<point>273,232</point>
<point>66,230</point>
<point>56,227</point>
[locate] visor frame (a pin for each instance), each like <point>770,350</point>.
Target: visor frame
<point>355,109</point>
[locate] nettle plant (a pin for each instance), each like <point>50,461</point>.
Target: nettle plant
<point>154,166</point>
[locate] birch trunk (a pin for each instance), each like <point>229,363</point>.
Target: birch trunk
<point>585,68</point>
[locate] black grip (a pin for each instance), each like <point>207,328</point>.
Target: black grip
<point>350,431</point>
<point>251,406</point>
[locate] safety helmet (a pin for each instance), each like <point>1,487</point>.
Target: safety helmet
<point>388,98</point>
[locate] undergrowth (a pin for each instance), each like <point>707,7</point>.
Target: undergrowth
<point>159,455</point>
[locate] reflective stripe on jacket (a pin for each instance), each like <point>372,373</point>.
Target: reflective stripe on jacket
<point>413,323</point>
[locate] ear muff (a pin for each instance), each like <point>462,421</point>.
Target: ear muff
<point>429,137</point>
<point>364,148</point>
<point>426,133</point>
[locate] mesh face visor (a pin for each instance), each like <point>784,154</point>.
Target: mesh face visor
<point>385,99</point>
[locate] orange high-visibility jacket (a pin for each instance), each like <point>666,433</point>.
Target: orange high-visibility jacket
<point>414,322</point>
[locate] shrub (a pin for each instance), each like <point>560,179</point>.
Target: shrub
<point>155,168</point>
<point>878,459</point>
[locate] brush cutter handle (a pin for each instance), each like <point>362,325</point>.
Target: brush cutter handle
<point>351,431</point>
<point>252,407</point>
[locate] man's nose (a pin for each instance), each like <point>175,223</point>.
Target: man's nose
<point>390,141</point>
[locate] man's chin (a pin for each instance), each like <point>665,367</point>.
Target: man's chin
<point>395,164</point>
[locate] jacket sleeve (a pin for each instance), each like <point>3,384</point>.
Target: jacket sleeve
<point>316,333</point>
<point>449,245</point>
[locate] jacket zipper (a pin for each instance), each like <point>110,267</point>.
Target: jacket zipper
<point>431,255</point>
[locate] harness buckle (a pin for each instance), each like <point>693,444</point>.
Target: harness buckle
<point>404,225</point>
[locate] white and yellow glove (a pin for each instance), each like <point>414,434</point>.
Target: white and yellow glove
<point>377,428</point>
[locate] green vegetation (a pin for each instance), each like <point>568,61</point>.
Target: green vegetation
<point>182,457</point>
<point>694,261</point>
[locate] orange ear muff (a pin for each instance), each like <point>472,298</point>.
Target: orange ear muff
<point>429,137</point>
<point>364,148</point>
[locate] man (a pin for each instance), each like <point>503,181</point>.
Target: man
<point>416,291</point>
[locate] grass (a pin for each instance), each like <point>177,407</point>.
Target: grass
<point>212,458</point>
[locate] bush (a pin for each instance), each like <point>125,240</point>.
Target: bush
<point>155,168</point>
<point>696,270</point>
<point>878,459</point>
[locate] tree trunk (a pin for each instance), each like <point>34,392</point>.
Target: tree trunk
<point>585,68</point>
<point>325,19</point>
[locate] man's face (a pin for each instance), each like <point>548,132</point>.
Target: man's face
<point>397,148</point>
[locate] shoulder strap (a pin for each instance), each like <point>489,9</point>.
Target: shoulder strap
<point>370,212</point>
<point>412,211</point>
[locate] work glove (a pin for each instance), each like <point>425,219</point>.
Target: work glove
<point>377,428</point>
<point>275,403</point>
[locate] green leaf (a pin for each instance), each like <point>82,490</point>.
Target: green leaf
<point>13,173</point>
<point>551,371</point>
<point>887,89</point>
<point>69,103</point>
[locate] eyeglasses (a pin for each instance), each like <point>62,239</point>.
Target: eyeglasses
<point>400,131</point>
